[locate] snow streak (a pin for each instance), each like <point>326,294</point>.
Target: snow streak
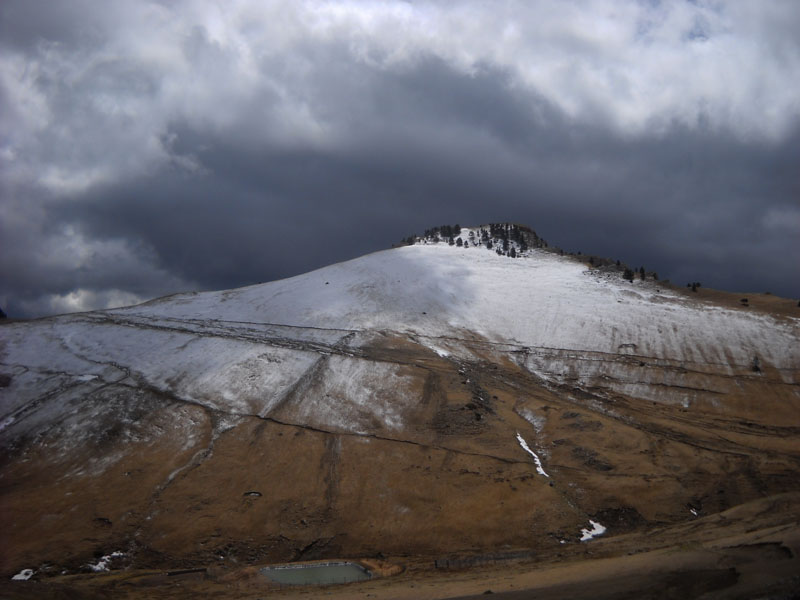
<point>527,449</point>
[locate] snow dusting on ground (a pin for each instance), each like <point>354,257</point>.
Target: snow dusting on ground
<point>353,395</point>
<point>532,418</point>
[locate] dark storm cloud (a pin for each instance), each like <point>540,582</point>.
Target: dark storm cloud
<point>161,166</point>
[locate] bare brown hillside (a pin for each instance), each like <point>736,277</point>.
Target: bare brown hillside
<point>272,490</point>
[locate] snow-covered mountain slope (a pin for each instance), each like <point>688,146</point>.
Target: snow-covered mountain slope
<point>564,319</point>
<point>383,382</point>
<point>542,300</point>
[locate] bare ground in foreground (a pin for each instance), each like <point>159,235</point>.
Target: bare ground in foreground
<point>749,551</point>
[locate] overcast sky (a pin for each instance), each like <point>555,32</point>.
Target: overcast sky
<point>153,147</point>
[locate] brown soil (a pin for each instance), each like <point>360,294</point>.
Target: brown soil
<point>750,551</point>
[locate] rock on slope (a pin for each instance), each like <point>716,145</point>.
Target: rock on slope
<point>425,400</point>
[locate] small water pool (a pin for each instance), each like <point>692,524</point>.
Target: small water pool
<point>317,573</point>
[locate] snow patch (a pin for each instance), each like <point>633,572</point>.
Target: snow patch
<point>596,531</point>
<point>227,422</point>
<point>102,564</point>
<point>23,575</point>
<point>527,449</point>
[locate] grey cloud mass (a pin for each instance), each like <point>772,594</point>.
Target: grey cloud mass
<point>154,147</point>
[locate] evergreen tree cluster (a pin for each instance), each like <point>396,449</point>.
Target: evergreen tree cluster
<point>443,232</point>
<point>629,274</point>
<point>508,232</point>
<point>504,234</point>
<point>507,239</point>
<point>500,237</point>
